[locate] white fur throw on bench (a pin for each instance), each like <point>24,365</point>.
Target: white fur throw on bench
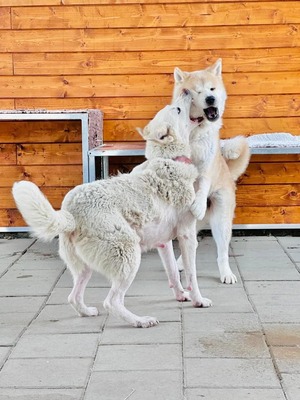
<point>265,140</point>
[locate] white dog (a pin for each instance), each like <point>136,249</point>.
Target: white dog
<point>105,225</point>
<point>215,199</point>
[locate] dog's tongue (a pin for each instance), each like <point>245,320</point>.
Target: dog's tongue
<point>211,113</point>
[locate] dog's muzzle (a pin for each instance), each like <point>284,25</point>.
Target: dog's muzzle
<point>212,113</point>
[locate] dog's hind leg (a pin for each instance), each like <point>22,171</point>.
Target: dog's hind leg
<point>76,298</point>
<point>221,227</point>
<point>81,275</point>
<point>114,302</point>
<point>169,262</point>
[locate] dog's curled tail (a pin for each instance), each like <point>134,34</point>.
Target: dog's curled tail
<point>36,210</point>
<point>237,155</point>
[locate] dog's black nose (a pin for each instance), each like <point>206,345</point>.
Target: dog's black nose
<point>210,100</point>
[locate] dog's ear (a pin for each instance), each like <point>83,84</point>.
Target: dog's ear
<point>216,68</point>
<point>157,135</point>
<point>179,75</point>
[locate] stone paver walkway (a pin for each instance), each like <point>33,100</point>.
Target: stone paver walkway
<point>245,347</point>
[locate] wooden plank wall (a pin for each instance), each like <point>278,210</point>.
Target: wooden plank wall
<point>119,56</point>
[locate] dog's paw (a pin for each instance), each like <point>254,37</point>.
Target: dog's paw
<point>183,296</point>
<point>90,312</point>
<point>229,279</point>
<point>146,322</point>
<point>203,303</point>
<point>198,209</point>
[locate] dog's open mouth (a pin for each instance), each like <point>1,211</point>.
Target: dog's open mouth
<point>198,119</point>
<point>212,113</point>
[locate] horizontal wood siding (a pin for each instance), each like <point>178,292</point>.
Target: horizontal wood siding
<point>119,56</point>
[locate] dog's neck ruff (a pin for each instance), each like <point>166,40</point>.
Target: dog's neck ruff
<point>183,159</point>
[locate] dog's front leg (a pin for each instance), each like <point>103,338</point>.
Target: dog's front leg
<point>199,206</point>
<point>188,246</point>
<point>169,262</point>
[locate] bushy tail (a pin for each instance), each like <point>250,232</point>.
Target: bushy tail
<point>237,155</point>
<point>36,210</point>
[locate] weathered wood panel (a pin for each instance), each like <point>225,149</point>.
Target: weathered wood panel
<point>140,85</point>
<point>267,215</point>
<point>153,62</point>
<point>271,173</point>
<point>257,106</point>
<point>5,19</point>
<point>40,131</point>
<point>135,39</point>
<point>49,154</point>
<point>8,155</point>
<point>42,175</point>
<point>126,130</point>
<point>156,15</point>
<point>268,195</point>
<point>6,63</point>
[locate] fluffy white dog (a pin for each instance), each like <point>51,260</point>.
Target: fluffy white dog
<point>106,225</point>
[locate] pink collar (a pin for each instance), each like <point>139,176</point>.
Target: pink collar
<point>183,159</point>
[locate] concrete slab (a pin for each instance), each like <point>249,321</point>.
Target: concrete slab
<point>45,373</point>
<point>135,385</point>
<point>283,334</point>
<point>234,394</point>
<point>21,304</point>
<point>229,345</point>
<point>287,359</point>
<point>273,287</point>
<point>165,332</point>
<point>139,357</point>
<point>292,246</point>
<point>216,322</point>
<point>230,373</point>
<point>41,394</point>
<point>56,345</point>
<point>4,351</point>
<point>63,319</point>
<point>291,385</point>
<point>12,326</point>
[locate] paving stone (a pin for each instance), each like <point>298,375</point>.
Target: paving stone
<point>165,332</point>
<point>45,372</point>
<point>227,299</point>
<point>135,385</point>
<point>215,322</point>
<point>4,351</point>
<point>287,359</point>
<point>229,345</point>
<point>279,314</point>
<point>40,394</point>
<point>8,246</point>
<point>230,372</point>
<point>35,263</point>
<point>56,345</point>
<point>21,304</point>
<point>291,384</point>
<point>27,283</point>
<point>272,287</point>
<point>276,268</point>
<point>63,319</point>
<point>292,245</point>
<point>283,334</point>
<point>12,326</point>
<point>234,394</point>
<point>139,357</point>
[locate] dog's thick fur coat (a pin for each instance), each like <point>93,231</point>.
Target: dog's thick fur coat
<point>217,170</point>
<point>105,225</point>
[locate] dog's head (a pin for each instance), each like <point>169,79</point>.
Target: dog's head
<point>167,134</point>
<point>207,89</point>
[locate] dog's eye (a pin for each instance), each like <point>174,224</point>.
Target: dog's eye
<point>212,89</point>
<point>178,110</point>
<point>163,136</point>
